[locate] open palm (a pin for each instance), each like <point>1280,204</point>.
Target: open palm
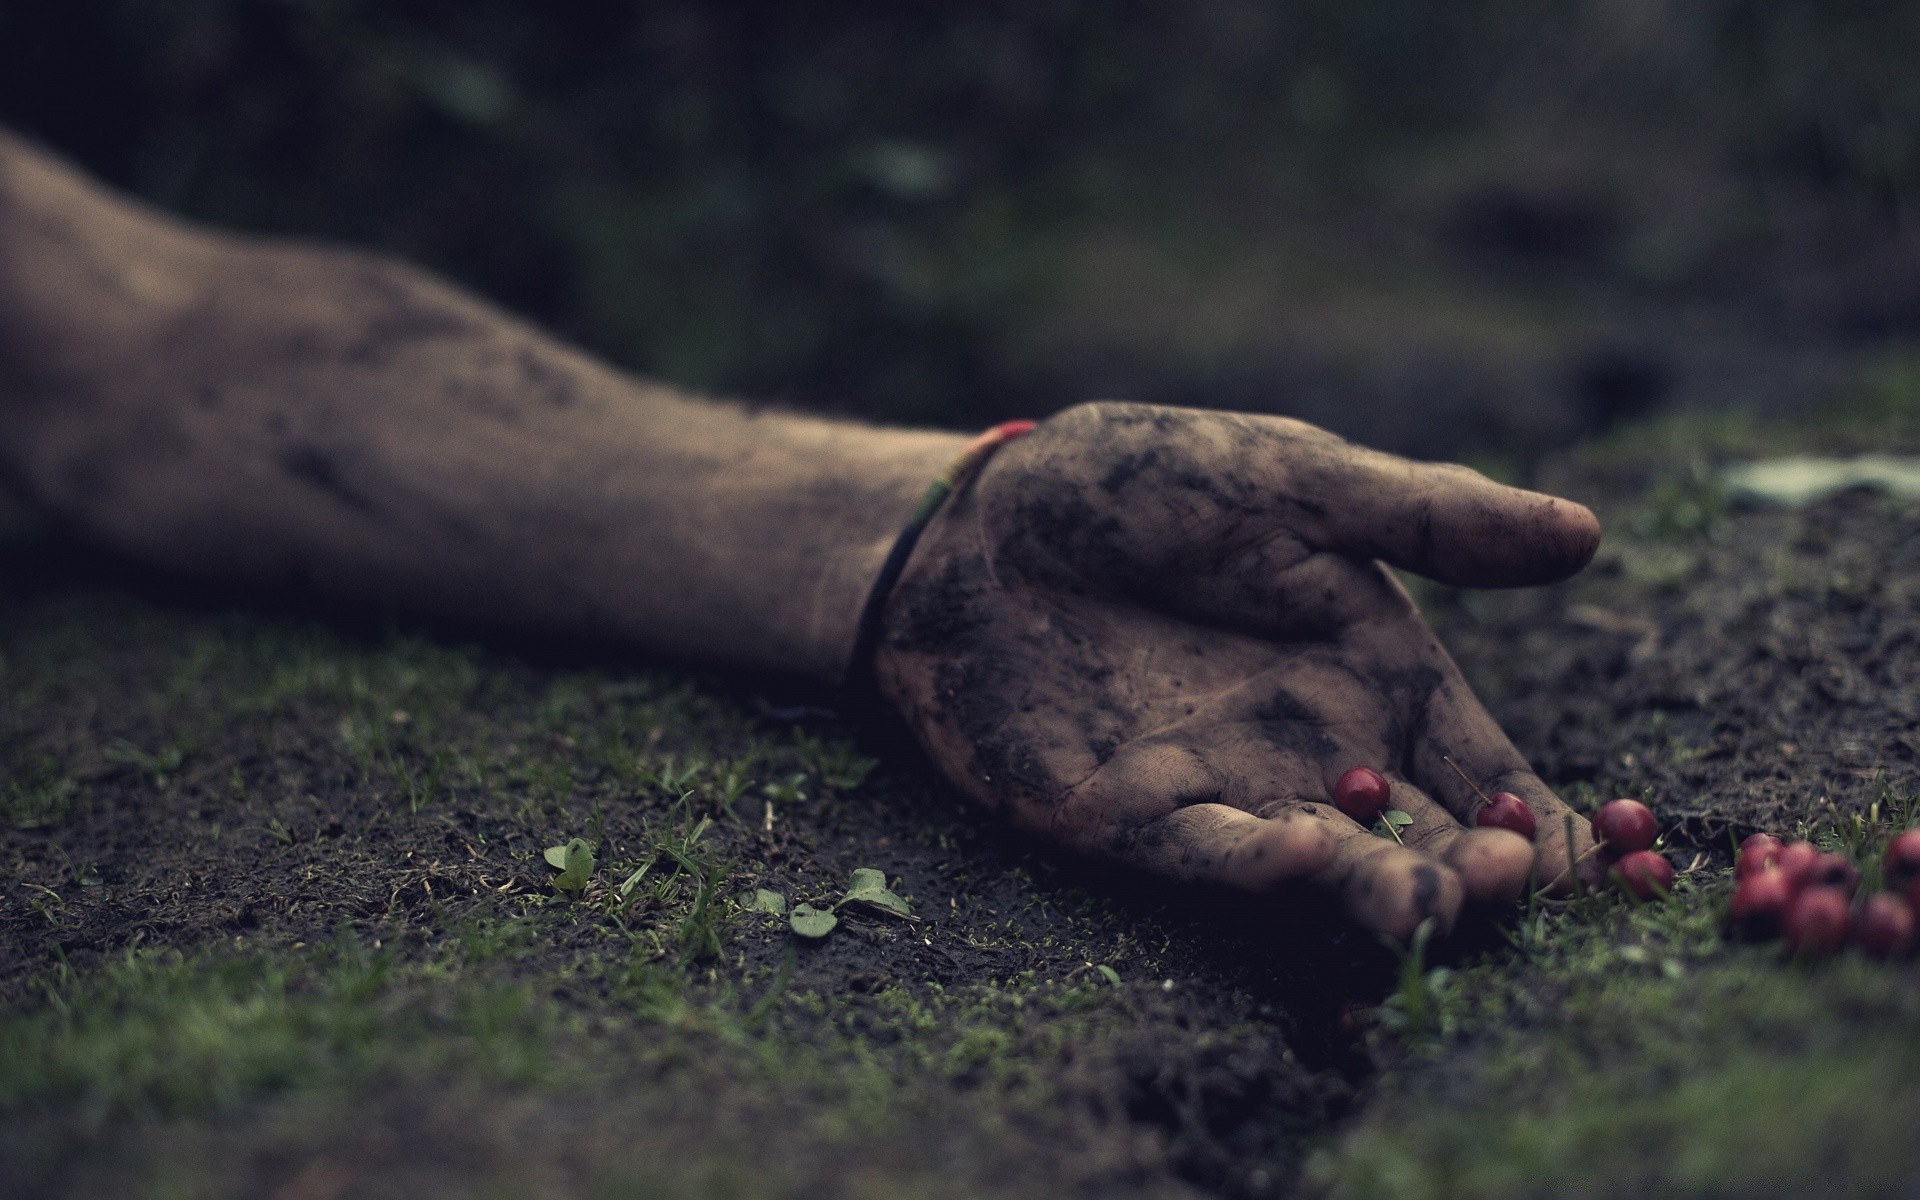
<point>1160,635</point>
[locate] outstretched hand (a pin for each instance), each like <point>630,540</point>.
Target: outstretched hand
<point>1160,635</point>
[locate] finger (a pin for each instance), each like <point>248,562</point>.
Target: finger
<point>1440,520</point>
<point>1494,865</point>
<point>1460,752</point>
<point>1157,805</point>
<point>1215,843</point>
<point>1384,886</point>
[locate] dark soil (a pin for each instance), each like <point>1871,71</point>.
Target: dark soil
<point>1738,672</point>
<point>263,785</point>
<point>218,801</point>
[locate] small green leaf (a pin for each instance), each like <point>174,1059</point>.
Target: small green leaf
<point>811,922</point>
<point>869,886</point>
<point>1397,819</point>
<point>575,860</point>
<point>866,879</point>
<point>632,881</point>
<point>1384,826</point>
<point>1109,974</point>
<point>764,900</point>
<point>850,774</point>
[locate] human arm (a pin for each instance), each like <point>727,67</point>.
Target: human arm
<point>1148,635</point>
<point>286,414</point>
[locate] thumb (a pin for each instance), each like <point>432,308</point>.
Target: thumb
<point>1122,488</point>
<point>1447,522</point>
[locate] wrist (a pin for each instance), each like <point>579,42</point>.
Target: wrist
<point>957,474</point>
<point>869,484</point>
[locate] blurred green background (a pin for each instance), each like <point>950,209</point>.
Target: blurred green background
<point>1482,226</point>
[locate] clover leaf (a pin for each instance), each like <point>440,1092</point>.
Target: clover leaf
<point>869,886</point>
<point>574,860</point>
<point>764,900</point>
<point>811,922</point>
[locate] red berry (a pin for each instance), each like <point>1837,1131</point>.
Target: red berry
<point>1755,853</point>
<point>1760,904</point>
<point>1886,926</point>
<point>1504,810</point>
<point>1362,794</point>
<point>1625,825</point>
<point>1645,874</point>
<point>1797,861</point>
<point>1903,858</point>
<point>1834,871</point>
<point>1817,922</point>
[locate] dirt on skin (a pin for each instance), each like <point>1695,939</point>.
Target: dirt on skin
<point>260,780</point>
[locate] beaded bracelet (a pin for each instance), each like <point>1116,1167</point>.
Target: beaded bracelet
<point>867,634</point>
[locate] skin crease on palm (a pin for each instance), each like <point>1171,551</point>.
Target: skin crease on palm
<point>1159,636</point>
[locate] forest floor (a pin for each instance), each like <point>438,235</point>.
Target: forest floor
<point>276,917</point>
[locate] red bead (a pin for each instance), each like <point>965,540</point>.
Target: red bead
<point>1363,794</point>
<point>1625,826</point>
<point>1645,874</point>
<point>1504,810</point>
<point>1755,853</point>
<point>1817,922</point>
<point>1886,926</point>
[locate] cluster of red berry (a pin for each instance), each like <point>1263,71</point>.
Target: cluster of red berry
<point>1625,830</point>
<point>1784,889</point>
<point>1795,891</point>
<point>1364,794</point>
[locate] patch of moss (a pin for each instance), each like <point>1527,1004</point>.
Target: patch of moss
<point>201,1041</point>
<point>1834,1122</point>
<point>158,1032</point>
<point>1626,1049</point>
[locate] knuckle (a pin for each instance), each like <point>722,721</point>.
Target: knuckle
<point>1097,412</point>
<point>1100,427</point>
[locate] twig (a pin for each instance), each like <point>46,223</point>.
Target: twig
<point>1573,862</point>
<point>1464,776</point>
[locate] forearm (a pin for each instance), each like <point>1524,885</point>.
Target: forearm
<point>283,414</point>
